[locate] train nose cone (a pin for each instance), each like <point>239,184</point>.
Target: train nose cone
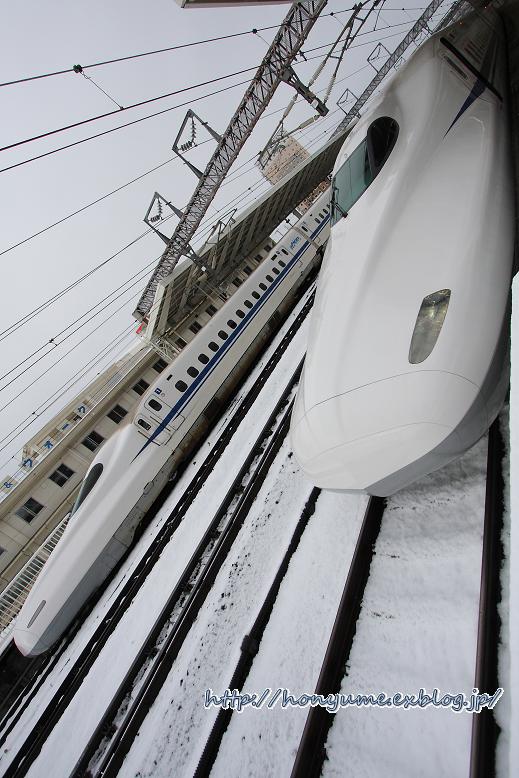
<point>29,643</point>
<point>352,441</point>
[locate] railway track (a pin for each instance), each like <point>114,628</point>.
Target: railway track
<point>182,608</point>
<point>33,743</point>
<point>485,729</point>
<point>311,754</point>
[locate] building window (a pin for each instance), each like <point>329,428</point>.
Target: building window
<point>141,386</point>
<point>92,441</point>
<point>247,270</point>
<point>181,386</point>
<point>29,509</point>
<point>237,282</point>
<point>258,257</point>
<point>117,413</point>
<point>61,475</point>
<point>159,365</point>
<point>180,343</point>
<point>192,371</point>
<point>211,310</point>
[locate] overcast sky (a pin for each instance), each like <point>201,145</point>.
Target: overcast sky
<point>38,38</point>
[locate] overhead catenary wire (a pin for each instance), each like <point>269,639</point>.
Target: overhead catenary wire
<point>148,101</point>
<point>12,328</point>
<point>180,46</point>
<point>40,410</point>
<point>157,113</point>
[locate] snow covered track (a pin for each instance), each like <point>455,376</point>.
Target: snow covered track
<point>485,729</point>
<point>311,752</point>
<point>191,591</point>
<point>78,670</point>
<point>250,645</point>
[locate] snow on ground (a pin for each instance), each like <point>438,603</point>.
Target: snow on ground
<point>82,715</point>
<point>264,742</point>
<point>417,628</point>
<point>174,733</point>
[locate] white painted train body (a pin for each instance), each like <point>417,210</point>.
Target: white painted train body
<point>134,463</point>
<point>408,345</point>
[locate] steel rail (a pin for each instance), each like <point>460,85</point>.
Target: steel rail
<point>128,729</point>
<point>35,739</point>
<point>485,729</point>
<point>311,752</point>
<point>251,642</point>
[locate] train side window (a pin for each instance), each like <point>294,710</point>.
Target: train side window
<point>144,424</point>
<point>213,346</point>
<point>232,324</point>
<point>247,303</point>
<point>155,405</point>
<point>263,286</point>
<point>240,313</point>
<point>88,484</point>
<point>283,264</point>
<point>223,335</point>
<point>304,228</point>
<point>192,371</point>
<point>255,295</point>
<point>269,279</point>
<point>275,271</point>
<point>284,251</point>
<point>181,386</point>
<point>203,358</point>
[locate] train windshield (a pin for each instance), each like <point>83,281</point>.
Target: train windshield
<point>362,166</point>
<point>87,486</point>
<point>352,179</point>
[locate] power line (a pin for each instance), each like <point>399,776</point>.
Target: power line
<point>126,108</point>
<point>253,31</point>
<point>157,113</point>
<point>150,100</point>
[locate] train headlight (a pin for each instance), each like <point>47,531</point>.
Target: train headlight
<point>428,325</point>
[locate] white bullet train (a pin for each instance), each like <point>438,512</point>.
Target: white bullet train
<point>134,463</point>
<point>406,365</point>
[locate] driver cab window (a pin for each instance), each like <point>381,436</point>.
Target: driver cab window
<point>362,166</point>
